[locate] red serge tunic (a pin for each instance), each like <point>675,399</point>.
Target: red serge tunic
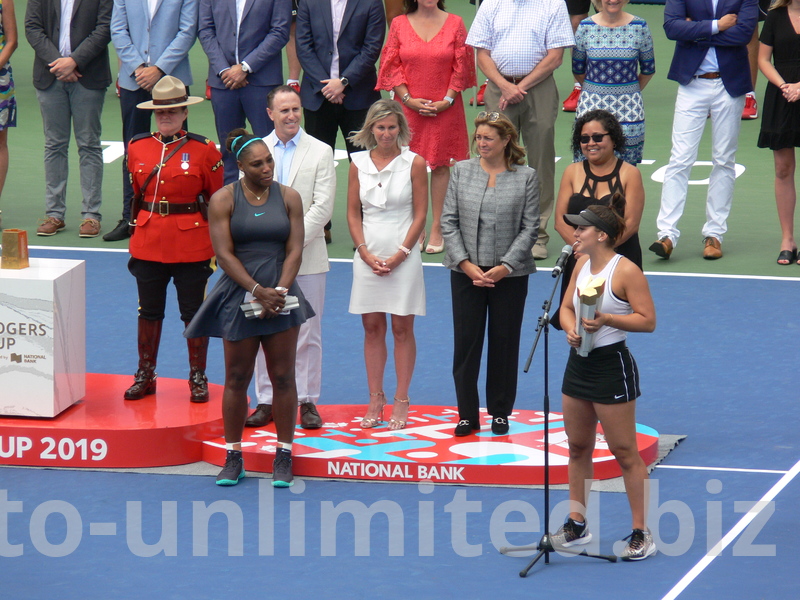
<point>196,167</point>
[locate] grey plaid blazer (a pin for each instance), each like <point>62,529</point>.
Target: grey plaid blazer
<point>517,217</point>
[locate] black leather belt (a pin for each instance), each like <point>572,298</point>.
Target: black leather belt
<point>714,75</point>
<point>513,79</point>
<point>165,208</point>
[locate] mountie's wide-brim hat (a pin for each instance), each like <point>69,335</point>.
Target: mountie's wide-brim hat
<point>169,92</point>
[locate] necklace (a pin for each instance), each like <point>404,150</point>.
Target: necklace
<point>257,197</point>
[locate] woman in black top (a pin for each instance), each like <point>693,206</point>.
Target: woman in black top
<point>597,136</point>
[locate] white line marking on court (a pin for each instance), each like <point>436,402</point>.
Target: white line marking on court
<point>74,249</point>
<point>724,276</point>
<point>731,535</point>
<point>648,273</point>
<point>440,265</point>
<point>731,469</point>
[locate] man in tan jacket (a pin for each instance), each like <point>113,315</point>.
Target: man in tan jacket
<point>305,164</point>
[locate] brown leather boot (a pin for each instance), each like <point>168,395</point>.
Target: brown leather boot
<point>198,382</point>
<point>144,382</point>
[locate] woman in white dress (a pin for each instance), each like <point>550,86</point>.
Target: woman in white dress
<point>386,210</point>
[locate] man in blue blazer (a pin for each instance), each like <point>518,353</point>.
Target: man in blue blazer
<point>243,41</point>
<point>338,44</point>
<point>711,65</point>
<point>152,39</point>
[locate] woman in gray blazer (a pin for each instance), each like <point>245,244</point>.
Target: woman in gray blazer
<point>490,224</point>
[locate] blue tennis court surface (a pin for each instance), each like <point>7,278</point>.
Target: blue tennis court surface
<point>720,368</point>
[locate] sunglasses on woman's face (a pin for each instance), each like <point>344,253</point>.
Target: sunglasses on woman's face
<point>596,137</point>
<point>491,117</point>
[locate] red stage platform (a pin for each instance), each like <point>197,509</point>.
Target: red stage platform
<point>426,449</point>
<point>103,430</point>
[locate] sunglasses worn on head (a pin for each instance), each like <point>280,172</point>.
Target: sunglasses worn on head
<point>491,117</point>
<point>597,137</point>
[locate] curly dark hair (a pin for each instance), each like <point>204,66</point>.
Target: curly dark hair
<point>609,123</point>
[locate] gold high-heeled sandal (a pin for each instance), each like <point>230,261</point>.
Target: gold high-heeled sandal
<point>397,423</point>
<point>370,422</point>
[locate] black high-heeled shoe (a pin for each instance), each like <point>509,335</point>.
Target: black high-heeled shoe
<point>790,256</point>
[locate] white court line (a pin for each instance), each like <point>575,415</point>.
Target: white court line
<point>76,249</point>
<point>731,535</point>
<point>731,469</point>
<point>648,273</point>
<point>440,265</point>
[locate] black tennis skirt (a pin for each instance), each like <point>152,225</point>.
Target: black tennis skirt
<point>609,375</point>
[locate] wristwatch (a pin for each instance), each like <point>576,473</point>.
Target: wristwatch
<point>345,81</point>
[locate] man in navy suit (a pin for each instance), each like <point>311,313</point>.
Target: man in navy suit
<point>711,65</point>
<point>243,40</point>
<point>338,44</point>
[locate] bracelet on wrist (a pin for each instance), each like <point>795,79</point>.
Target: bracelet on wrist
<point>405,250</point>
<point>449,100</point>
<point>406,97</point>
<point>253,291</point>
<point>361,244</point>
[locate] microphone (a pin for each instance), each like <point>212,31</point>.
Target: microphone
<point>562,260</point>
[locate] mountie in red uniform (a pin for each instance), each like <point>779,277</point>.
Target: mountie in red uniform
<point>171,242</point>
<point>169,225</point>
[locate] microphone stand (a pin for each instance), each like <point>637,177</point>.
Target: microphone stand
<point>545,545</point>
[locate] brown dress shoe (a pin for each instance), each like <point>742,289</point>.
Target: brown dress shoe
<point>89,228</point>
<point>662,247</point>
<point>309,417</point>
<point>262,416</point>
<point>50,226</point>
<point>712,249</point>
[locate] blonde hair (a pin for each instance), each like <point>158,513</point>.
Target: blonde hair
<point>379,111</point>
<point>779,4</point>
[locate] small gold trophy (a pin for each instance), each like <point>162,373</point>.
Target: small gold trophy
<point>589,294</point>
<point>15,249</point>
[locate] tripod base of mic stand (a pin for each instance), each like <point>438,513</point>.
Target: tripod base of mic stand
<point>545,547</point>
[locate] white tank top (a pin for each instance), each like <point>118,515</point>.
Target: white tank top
<point>608,303</point>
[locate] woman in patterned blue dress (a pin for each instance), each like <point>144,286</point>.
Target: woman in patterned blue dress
<point>609,47</point>
<point>8,104</point>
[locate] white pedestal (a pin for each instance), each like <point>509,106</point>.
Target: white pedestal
<point>42,337</point>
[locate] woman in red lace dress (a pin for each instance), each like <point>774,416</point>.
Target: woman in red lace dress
<point>427,64</point>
